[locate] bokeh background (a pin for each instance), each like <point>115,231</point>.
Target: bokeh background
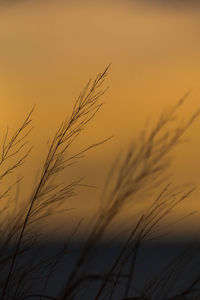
<point>49,50</point>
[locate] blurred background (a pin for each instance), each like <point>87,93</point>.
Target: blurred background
<point>49,50</point>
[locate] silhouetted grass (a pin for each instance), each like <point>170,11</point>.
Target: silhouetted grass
<point>25,272</point>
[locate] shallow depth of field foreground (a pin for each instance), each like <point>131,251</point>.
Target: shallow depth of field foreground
<point>132,260</point>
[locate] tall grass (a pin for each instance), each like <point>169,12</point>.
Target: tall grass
<point>141,170</point>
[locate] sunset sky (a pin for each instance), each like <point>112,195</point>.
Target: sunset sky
<point>49,50</point>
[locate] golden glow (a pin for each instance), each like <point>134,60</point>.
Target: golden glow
<point>48,52</point>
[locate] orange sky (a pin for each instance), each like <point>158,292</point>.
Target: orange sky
<point>49,51</point>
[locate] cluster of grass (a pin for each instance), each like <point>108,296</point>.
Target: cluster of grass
<point>132,177</point>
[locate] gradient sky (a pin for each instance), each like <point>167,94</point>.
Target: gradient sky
<point>48,51</point>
